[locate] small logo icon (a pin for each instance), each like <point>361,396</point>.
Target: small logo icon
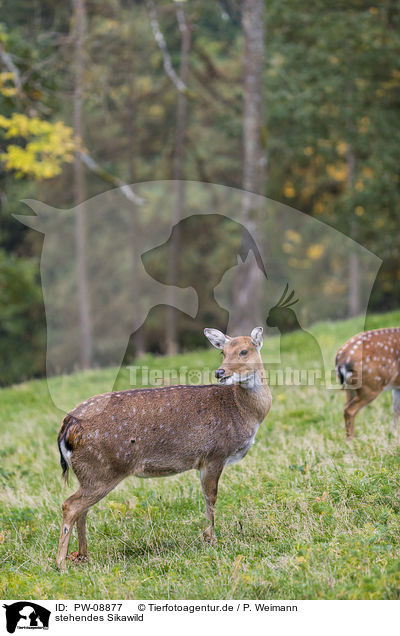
<point>26,615</point>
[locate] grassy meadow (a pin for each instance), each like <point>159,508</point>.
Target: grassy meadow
<point>304,516</point>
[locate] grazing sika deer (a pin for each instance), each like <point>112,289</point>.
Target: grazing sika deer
<point>367,364</point>
<point>164,431</point>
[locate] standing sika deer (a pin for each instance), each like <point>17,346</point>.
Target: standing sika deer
<point>164,431</point>
<point>366,365</point>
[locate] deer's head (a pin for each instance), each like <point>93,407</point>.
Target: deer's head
<point>241,362</point>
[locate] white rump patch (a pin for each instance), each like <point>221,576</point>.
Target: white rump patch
<point>65,452</point>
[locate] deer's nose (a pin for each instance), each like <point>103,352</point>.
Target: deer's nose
<point>219,373</point>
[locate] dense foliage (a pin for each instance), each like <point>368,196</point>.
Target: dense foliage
<point>330,130</point>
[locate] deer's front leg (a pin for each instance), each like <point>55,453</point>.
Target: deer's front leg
<point>209,476</point>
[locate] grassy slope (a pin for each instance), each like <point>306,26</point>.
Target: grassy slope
<point>303,516</point>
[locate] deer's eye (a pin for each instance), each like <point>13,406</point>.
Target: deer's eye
<point>244,352</point>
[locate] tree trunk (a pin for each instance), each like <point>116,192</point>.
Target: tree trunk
<point>178,174</point>
<point>354,300</point>
<point>354,285</point>
<point>247,291</point>
<point>139,338</point>
<point>80,194</point>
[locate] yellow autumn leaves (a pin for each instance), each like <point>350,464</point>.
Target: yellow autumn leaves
<point>46,146</point>
<point>7,86</point>
<point>293,239</point>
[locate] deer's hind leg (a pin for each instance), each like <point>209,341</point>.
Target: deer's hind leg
<point>356,400</point>
<point>209,476</point>
<point>350,413</point>
<point>396,408</point>
<point>71,508</point>
<point>82,552</point>
<point>75,510</point>
<point>82,542</point>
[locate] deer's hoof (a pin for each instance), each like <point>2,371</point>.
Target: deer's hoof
<point>209,536</point>
<point>76,557</point>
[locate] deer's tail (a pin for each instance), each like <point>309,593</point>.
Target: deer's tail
<point>66,438</point>
<point>344,370</point>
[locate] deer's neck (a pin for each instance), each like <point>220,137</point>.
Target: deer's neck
<point>253,401</point>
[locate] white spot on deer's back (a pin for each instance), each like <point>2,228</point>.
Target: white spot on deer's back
<point>143,411</point>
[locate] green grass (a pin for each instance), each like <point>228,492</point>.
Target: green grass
<point>304,515</point>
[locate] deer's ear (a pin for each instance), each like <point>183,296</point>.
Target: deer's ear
<point>217,338</point>
<point>257,337</point>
